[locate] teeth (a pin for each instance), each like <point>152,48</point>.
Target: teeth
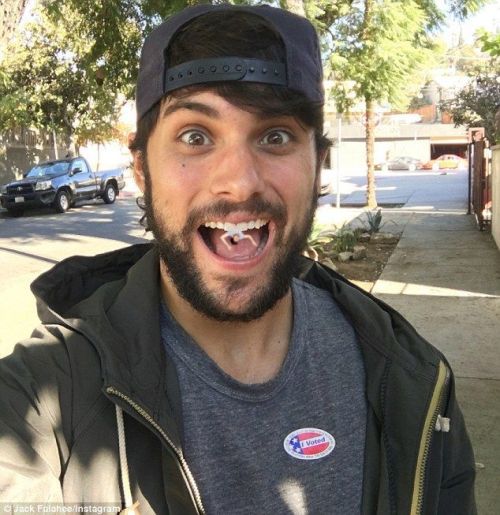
<point>236,228</point>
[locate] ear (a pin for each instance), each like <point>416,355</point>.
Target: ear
<point>137,161</point>
<point>322,156</point>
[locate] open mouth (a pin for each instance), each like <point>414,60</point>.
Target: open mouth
<point>236,242</point>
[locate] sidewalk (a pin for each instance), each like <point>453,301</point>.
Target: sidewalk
<point>444,277</point>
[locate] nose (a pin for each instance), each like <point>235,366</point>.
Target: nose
<point>237,174</point>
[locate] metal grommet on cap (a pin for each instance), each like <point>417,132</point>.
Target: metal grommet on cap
<point>251,69</point>
<point>264,70</point>
<point>239,68</point>
<point>213,69</point>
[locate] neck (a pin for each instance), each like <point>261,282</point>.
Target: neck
<point>250,352</point>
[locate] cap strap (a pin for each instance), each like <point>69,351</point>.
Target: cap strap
<point>225,69</point>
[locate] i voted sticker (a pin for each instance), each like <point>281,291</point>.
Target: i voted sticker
<point>309,443</point>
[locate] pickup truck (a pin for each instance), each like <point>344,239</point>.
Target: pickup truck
<point>59,184</point>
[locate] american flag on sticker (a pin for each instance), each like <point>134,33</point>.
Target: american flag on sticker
<point>309,443</point>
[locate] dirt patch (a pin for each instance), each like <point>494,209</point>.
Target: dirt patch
<point>367,269</point>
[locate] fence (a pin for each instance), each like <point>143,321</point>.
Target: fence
<point>21,148</point>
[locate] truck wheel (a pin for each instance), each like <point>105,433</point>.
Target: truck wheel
<point>62,202</point>
<point>109,195</point>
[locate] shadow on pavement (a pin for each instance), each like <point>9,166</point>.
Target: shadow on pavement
<point>119,221</point>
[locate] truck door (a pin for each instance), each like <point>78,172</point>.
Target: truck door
<point>83,179</point>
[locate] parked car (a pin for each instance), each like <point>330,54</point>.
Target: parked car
<point>400,163</point>
<point>445,161</point>
<point>59,184</point>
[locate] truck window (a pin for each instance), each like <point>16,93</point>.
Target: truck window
<point>79,163</point>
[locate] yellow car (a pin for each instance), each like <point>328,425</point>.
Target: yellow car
<point>445,161</point>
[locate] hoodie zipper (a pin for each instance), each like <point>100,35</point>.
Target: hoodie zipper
<point>425,441</point>
<point>146,416</point>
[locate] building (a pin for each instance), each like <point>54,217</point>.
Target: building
<point>394,137</point>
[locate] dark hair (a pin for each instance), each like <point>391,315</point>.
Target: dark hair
<point>243,35</point>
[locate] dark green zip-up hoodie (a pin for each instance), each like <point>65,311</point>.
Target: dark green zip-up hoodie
<point>99,347</point>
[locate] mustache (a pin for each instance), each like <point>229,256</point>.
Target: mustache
<point>254,205</point>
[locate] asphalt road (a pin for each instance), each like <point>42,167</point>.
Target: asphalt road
<point>31,244</point>
<point>418,189</point>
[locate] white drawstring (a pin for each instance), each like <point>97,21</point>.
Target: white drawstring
<point>130,506</point>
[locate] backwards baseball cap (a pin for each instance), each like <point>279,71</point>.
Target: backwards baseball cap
<point>302,70</point>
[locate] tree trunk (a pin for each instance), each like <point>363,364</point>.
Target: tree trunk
<point>367,28</point>
<point>371,200</point>
<point>294,6</point>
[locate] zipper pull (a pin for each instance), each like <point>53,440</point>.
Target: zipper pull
<point>442,424</point>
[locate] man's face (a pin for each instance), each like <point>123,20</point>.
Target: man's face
<point>230,198</point>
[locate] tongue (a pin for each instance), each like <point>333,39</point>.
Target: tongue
<point>243,249</point>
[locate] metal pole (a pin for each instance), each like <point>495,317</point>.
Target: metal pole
<point>339,141</point>
<point>55,143</point>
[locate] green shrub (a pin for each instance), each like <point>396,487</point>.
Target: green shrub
<point>374,220</point>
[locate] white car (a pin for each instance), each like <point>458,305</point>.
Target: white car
<point>400,163</point>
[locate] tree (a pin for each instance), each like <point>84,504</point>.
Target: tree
<point>478,104</point>
<point>44,84</point>
<point>490,43</point>
<point>379,49</point>
<point>10,16</point>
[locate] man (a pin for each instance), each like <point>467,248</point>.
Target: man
<point>216,371</point>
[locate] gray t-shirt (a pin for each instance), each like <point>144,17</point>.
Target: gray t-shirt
<point>293,445</point>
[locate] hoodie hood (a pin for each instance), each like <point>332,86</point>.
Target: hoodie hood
<point>61,289</point>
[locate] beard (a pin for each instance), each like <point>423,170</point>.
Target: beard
<point>177,255</point>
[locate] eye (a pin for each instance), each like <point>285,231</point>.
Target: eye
<point>194,138</point>
<point>276,137</point>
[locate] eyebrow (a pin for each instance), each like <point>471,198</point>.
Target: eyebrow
<point>191,106</point>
